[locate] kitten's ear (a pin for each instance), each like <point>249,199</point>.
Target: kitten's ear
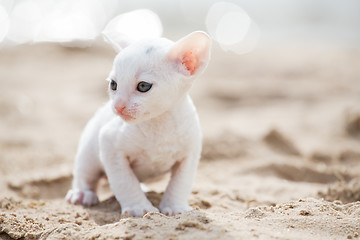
<point>191,53</point>
<point>117,40</point>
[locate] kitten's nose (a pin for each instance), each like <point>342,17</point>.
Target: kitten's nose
<point>120,109</point>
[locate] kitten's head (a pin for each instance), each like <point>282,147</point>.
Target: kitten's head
<point>149,77</point>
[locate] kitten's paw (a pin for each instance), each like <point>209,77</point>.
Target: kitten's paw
<point>138,210</point>
<point>82,197</point>
<point>170,210</point>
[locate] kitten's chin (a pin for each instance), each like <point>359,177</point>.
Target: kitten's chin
<point>133,120</point>
<point>138,118</point>
<point>128,118</point>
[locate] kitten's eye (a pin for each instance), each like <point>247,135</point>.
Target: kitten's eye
<point>144,86</point>
<point>113,85</point>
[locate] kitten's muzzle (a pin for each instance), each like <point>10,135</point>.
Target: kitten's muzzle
<point>120,109</point>
<point>123,113</point>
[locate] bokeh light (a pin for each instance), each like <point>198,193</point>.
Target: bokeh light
<point>25,19</point>
<point>232,28</point>
<point>73,23</point>
<point>135,25</point>
<point>5,23</point>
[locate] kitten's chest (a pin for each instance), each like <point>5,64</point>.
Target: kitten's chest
<point>165,144</point>
<point>164,147</point>
<point>156,158</point>
<point>156,152</point>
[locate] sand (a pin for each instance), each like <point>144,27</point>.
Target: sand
<point>280,158</point>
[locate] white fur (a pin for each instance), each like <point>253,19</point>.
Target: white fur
<point>154,132</point>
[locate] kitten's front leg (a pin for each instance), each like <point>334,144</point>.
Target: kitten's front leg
<point>87,173</point>
<point>175,198</point>
<point>122,180</point>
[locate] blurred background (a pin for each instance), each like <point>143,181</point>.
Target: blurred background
<point>283,84</point>
<point>279,21</point>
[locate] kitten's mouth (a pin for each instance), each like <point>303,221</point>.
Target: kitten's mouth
<point>125,114</point>
<point>126,117</point>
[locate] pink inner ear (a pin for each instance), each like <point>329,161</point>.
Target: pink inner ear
<point>190,61</point>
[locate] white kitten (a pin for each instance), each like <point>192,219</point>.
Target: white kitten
<point>148,128</point>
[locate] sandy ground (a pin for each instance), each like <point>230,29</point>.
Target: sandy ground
<point>281,147</point>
